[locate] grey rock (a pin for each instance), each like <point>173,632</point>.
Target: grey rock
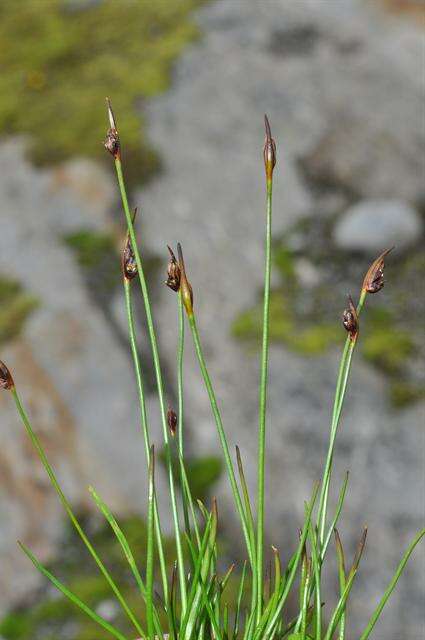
<point>372,225</point>
<point>338,135</point>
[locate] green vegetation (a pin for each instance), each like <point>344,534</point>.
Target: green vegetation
<point>189,601</point>
<point>52,617</point>
<point>202,473</point>
<point>303,338</point>
<point>389,341</point>
<point>15,307</point>
<point>60,59</point>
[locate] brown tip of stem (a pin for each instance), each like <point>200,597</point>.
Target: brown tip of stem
<point>268,130</point>
<point>112,141</point>
<point>112,121</point>
<point>269,151</point>
<point>185,286</point>
<point>359,551</point>
<point>6,379</point>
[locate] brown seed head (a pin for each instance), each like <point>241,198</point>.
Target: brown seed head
<point>173,272</point>
<point>269,151</point>
<point>128,259</point>
<point>172,421</point>
<point>374,278</point>
<point>112,141</point>
<point>350,319</point>
<point>6,380</point>
<point>185,286</point>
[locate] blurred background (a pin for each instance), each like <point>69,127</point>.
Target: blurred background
<point>343,84</point>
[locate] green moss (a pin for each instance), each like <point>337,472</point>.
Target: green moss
<point>313,340</point>
<point>403,393</point>
<point>15,307</point>
<point>60,61</point>
<point>91,248</point>
<point>389,349</point>
<point>202,473</point>
<point>283,259</point>
<point>310,339</point>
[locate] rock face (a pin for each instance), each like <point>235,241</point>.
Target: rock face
<point>341,83</point>
<point>373,224</point>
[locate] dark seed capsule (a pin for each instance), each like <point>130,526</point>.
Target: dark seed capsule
<point>129,266</point>
<point>6,380</point>
<point>173,272</point>
<point>172,421</point>
<point>374,278</point>
<point>350,319</point>
<point>112,141</point>
<point>269,151</point>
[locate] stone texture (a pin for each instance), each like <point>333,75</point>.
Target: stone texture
<point>373,224</point>
<point>73,375</point>
<point>341,82</point>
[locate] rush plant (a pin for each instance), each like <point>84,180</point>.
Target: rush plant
<point>192,603</point>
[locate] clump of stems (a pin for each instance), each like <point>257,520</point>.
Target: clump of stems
<point>193,602</point>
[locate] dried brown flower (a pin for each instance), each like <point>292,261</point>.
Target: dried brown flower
<point>269,151</point>
<point>6,380</point>
<point>185,286</point>
<point>128,259</point>
<point>173,272</point>
<point>350,319</point>
<point>172,421</point>
<point>112,141</point>
<point>374,278</point>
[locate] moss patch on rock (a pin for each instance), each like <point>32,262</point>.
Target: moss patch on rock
<point>306,318</point>
<point>61,58</point>
<point>15,307</point>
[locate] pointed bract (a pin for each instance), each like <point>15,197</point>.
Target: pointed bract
<point>112,141</point>
<point>173,272</point>
<point>374,278</point>
<point>185,286</point>
<point>269,151</point>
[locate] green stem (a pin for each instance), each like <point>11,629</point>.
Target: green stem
<point>391,586</point>
<point>70,513</point>
<point>150,547</point>
<point>158,373</point>
<point>263,404</point>
<point>180,354</point>
<point>144,424</point>
<point>222,435</point>
<point>341,387</point>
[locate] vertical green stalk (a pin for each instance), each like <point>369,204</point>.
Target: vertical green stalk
<point>263,402</point>
<point>180,410</point>
<point>158,373</point>
<point>221,433</point>
<point>150,547</point>
<point>144,423</point>
<point>37,445</point>
<point>180,353</point>
<point>341,387</point>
